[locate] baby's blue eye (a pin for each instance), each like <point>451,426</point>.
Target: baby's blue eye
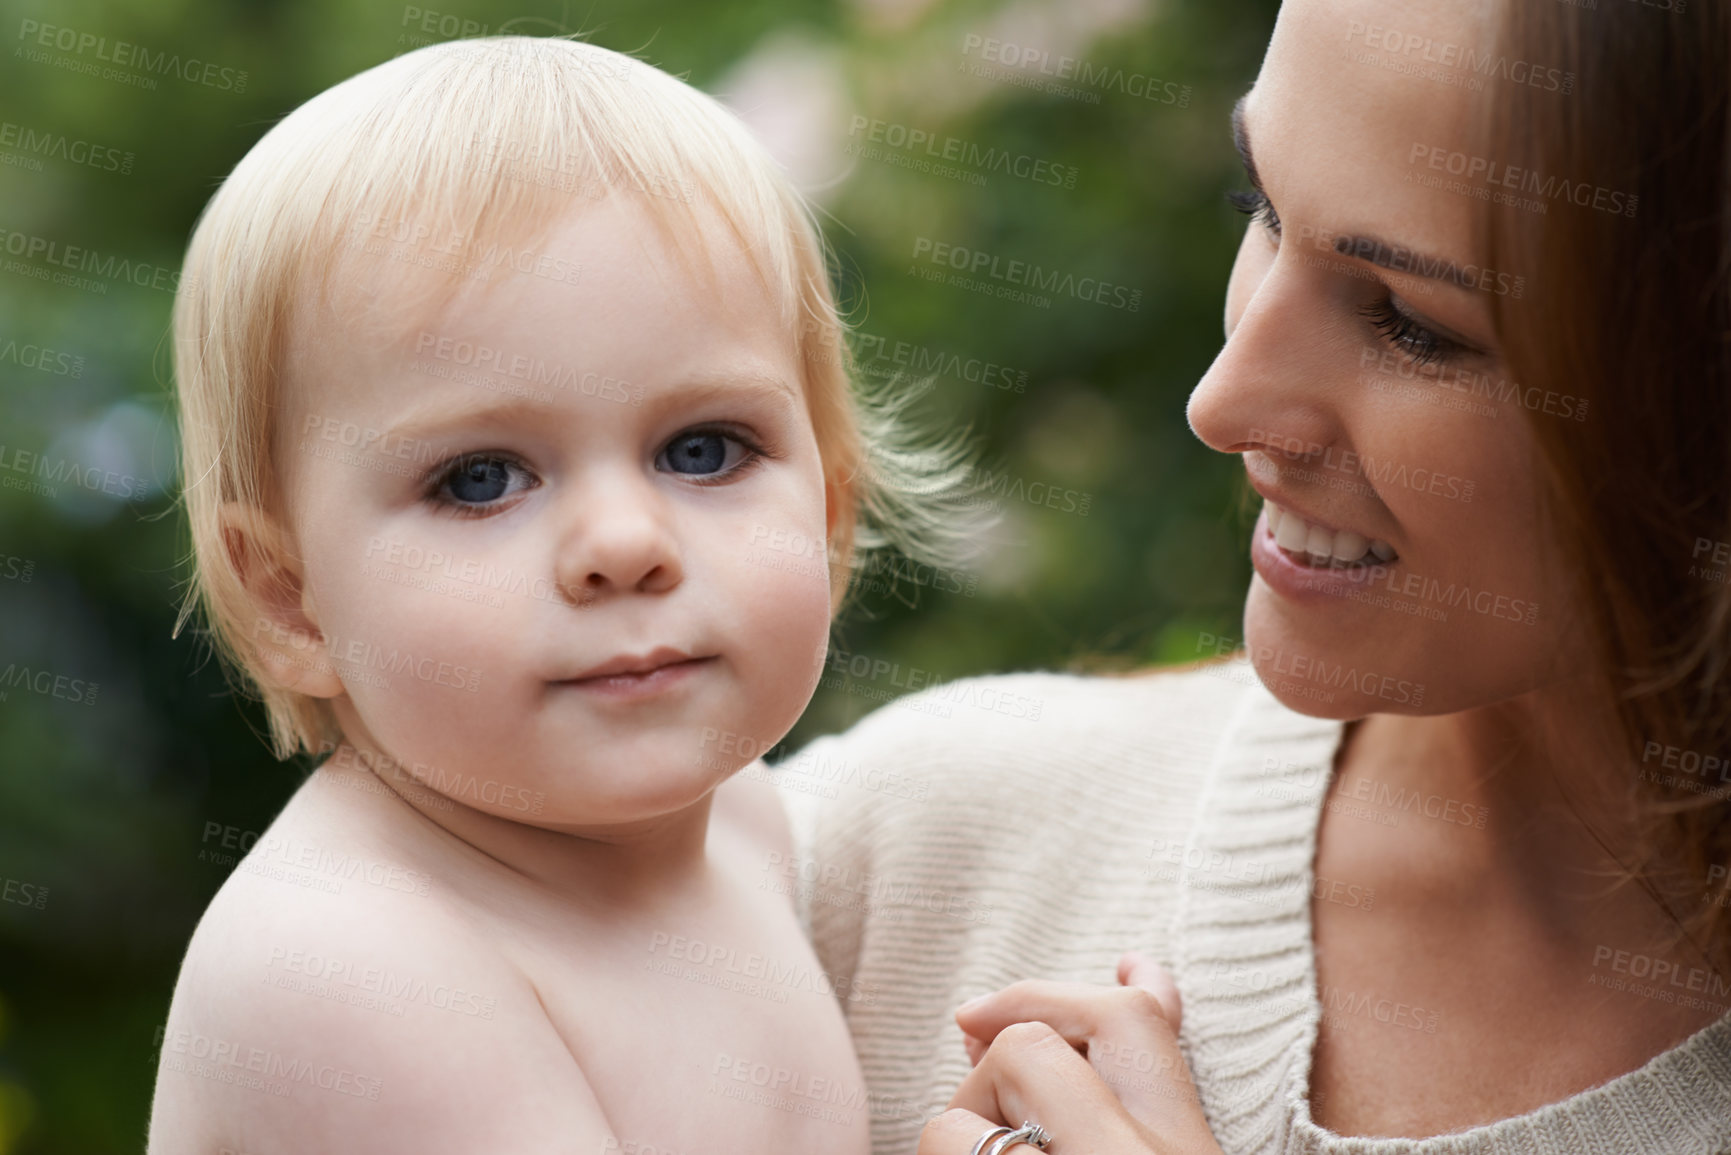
<point>701,454</point>
<point>698,453</point>
<point>479,480</point>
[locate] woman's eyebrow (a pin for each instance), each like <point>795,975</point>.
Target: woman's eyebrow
<point>1401,258</point>
<point>1371,250</point>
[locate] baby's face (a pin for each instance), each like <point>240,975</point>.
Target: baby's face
<point>560,595</point>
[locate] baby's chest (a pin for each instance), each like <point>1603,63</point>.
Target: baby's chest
<point>718,1036</point>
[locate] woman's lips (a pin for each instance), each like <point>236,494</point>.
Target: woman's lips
<point>1310,578</point>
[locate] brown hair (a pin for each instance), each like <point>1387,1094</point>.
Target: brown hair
<point>1629,309</point>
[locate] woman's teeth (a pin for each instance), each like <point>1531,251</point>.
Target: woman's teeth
<point>1324,547</point>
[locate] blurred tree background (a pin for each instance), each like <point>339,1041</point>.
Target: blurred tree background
<point>1120,537</point>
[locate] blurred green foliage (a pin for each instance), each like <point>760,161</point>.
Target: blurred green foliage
<point>105,804</point>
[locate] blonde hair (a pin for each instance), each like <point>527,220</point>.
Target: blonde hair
<point>493,140</point>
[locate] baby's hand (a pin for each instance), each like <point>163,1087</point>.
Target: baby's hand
<point>1129,1037</point>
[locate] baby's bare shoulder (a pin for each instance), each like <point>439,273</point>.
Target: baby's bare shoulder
<point>336,997</point>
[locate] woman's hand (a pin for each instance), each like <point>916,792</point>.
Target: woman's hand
<point>1098,1067</point>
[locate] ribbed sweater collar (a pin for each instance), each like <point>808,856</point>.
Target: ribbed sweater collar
<point>1246,968</point>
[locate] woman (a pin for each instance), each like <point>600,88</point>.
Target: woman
<point>1453,861</point>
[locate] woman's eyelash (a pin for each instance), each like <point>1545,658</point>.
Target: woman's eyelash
<point>1254,204</point>
<point>1421,345</point>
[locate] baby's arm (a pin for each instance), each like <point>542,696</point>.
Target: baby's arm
<point>309,1022</point>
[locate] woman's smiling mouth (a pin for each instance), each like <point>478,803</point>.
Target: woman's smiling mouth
<point>1314,564</point>
<point>1321,546</point>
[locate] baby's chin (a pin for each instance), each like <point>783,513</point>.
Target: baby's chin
<point>591,796</point>
<point>570,768</point>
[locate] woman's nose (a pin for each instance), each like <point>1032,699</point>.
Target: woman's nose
<point>1281,374</point>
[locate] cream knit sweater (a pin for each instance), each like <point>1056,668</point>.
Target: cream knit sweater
<point>1038,825</point>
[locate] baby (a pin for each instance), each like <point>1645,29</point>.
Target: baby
<point>523,472</point>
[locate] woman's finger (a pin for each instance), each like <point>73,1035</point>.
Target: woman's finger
<point>1075,1010</point>
<point>1031,1073</point>
<point>1123,1031</point>
<point>1139,970</point>
<point>953,1133</point>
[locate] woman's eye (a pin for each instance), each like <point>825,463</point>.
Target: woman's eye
<point>1254,204</point>
<point>1406,334</point>
<point>479,480</point>
<point>703,453</point>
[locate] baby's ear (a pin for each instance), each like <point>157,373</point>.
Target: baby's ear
<point>838,507</point>
<point>280,629</point>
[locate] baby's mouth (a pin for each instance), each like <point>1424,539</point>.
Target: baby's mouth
<point>1322,547</point>
<point>628,671</point>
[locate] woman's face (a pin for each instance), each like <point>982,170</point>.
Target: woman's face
<point>1361,381</point>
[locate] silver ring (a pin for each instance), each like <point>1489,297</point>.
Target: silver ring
<point>987,1138</point>
<point>1030,1133</point>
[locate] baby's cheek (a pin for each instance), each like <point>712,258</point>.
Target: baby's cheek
<point>421,666</point>
<point>783,637</point>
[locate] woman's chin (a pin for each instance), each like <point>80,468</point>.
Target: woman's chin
<point>1321,666</point>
